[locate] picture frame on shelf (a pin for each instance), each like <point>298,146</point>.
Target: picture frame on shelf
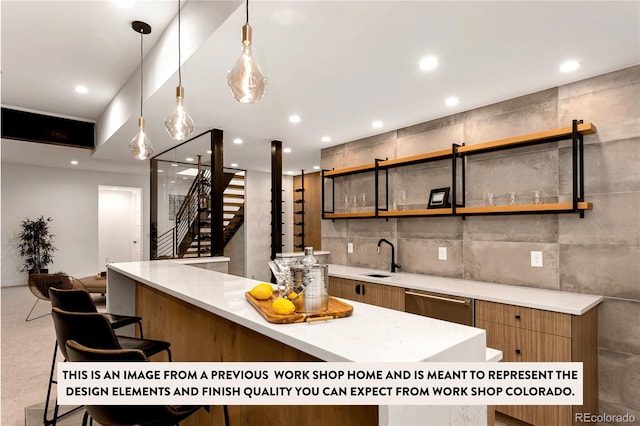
<point>439,198</point>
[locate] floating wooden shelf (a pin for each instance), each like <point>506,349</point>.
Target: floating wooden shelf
<point>547,207</point>
<point>546,136</point>
<point>350,170</point>
<point>417,212</point>
<point>429,156</point>
<point>349,215</point>
<point>538,137</point>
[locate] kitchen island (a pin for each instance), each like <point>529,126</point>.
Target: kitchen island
<point>205,316</point>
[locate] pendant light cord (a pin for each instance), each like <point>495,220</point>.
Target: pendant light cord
<point>179,52</point>
<point>247,11</point>
<point>141,72</point>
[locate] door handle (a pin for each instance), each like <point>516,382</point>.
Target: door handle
<point>444,299</point>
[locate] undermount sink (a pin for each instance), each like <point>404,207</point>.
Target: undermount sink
<point>376,275</point>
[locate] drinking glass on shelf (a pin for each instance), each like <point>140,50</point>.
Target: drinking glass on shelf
<point>537,197</point>
<point>354,202</point>
<point>513,198</point>
<point>346,203</point>
<point>363,199</point>
<point>402,200</point>
<point>491,199</point>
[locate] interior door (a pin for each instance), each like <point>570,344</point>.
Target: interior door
<point>119,225</point>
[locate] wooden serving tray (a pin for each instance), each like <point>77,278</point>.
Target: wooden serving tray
<point>336,309</point>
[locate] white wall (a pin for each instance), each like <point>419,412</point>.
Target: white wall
<point>70,197</point>
<point>258,223</point>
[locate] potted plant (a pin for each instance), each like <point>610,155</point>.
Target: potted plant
<point>36,245</point>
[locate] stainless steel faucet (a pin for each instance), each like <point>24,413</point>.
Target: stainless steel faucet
<point>394,265</point>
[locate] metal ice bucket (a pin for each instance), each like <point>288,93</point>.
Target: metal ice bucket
<point>313,280</point>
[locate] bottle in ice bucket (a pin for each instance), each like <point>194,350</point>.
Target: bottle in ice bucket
<point>309,279</point>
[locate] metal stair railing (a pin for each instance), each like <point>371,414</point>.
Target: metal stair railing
<point>166,245</point>
<point>187,216</point>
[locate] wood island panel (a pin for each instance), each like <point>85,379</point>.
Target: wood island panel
<point>197,335</point>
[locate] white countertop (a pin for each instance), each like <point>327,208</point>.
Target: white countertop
<point>370,334</point>
<point>549,300</point>
<point>197,260</point>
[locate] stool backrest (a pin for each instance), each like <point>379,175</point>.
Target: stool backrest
<point>81,353</point>
<point>73,300</point>
<point>89,329</point>
<point>160,415</point>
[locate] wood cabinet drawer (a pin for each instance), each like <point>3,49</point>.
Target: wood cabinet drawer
<point>518,344</point>
<point>555,323</point>
<point>386,296</point>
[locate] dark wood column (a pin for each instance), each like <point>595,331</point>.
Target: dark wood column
<point>276,198</point>
<point>217,189</point>
<point>153,195</point>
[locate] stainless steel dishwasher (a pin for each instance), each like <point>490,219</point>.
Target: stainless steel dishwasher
<point>440,306</point>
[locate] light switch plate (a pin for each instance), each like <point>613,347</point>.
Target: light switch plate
<point>349,247</point>
<point>536,259</point>
<point>442,253</point>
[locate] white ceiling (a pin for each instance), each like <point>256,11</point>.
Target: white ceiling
<point>338,64</point>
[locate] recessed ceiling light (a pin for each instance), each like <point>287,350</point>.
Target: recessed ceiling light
<point>81,89</point>
<point>428,63</point>
<point>209,151</point>
<point>189,158</point>
<point>452,101</point>
<point>294,118</point>
<point>237,141</point>
<point>569,66</point>
<point>316,167</point>
<point>234,164</point>
<point>286,150</point>
<point>160,171</point>
<point>290,172</point>
<point>376,124</point>
<point>326,139</point>
<point>74,162</point>
<point>174,164</point>
<point>184,178</point>
<point>172,181</point>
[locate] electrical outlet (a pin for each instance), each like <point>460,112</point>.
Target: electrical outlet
<point>442,253</point>
<point>536,259</point>
<point>349,247</point>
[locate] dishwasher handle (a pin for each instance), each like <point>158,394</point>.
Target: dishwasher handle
<point>443,298</point>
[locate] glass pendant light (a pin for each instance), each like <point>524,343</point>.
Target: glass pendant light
<point>245,79</point>
<point>140,146</point>
<point>179,124</point>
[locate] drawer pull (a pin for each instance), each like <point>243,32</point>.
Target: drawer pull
<point>518,351</point>
<point>518,316</point>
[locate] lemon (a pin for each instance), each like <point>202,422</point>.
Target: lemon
<point>283,306</point>
<point>292,295</point>
<point>262,291</point>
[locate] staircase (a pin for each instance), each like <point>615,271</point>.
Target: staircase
<point>191,237</point>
